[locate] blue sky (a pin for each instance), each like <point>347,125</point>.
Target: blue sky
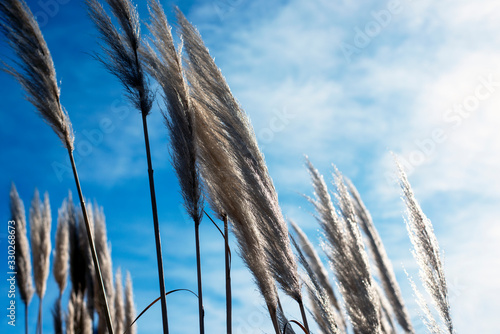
<point>345,82</point>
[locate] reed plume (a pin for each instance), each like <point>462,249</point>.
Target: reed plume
<point>36,72</point>
<point>61,256</point>
<point>166,68</point>
<point>104,255</point>
<point>324,312</point>
<point>40,224</point>
<point>346,253</point>
<point>220,110</point>
<point>314,263</point>
<point>427,254</point>
<point>119,318</point>
<point>78,320</point>
<point>61,261</point>
<point>37,76</point>
<point>121,57</point>
<point>23,256</point>
<point>129,305</point>
<point>383,264</point>
<point>386,312</point>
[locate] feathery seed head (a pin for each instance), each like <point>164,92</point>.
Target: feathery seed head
<point>34,68</point>
<point>23,255</point>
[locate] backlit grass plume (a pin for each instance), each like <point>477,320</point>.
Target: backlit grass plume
<point>383,264</point>
<point>129,305</point>
<point>165,66</point>
<point>119,318</point>
<point>61,262</point>
<point>61,255</point>
<point>347,255</point>
<point>427,254</point>
<point>220,110</point>
<point>324,313</point>
<point>122,58</point>
<point>40,224</point>
<point>104,255</point>
<point>34,69</point>
<point>78,320</point>
<point>23,256</point>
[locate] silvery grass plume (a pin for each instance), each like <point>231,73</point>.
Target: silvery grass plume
<point>23,256</point>
<point>129,305</point>
<point>36,72</point>
<point>37,76</point>
<point>314,263</point>
<point>214,97</point>
<point>104,254</point>
<point>347,255</point>
<point>166,67</point>
<point>427,254</point>
<point>60,265</point>
<point>78,320</point>
<point>383,264</point>
<point>40,224</point>
<point>121,49</point>
<point>385,312</point>
<point>324,312</point>
<point>119,318</point>
<point>122,58</point>
<point>62,252</point>
<point>222,174</point>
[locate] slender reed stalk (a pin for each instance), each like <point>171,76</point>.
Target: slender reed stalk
<point>166,68</point>
<point>122,49</point>
<point>383,264</point>
<point>40,224</point>
<point>38,78</point>
<point>119,318</point>
<point>427,254</point>
<point>23,256</point>
<point>129,305</point>
<point>229,303</point>
<point>346,253</point>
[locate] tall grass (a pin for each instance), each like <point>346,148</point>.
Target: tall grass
<point>427,255</point>
<point>37,76</point>
<point>166,67</point>
<point>216,157</point>
<point>121,57</point>
<point>23,255</point>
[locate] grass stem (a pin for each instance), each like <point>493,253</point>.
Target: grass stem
<point>229,305</point>
<point>198,271</point>
<point>159,256</point>
<point>92,246</point>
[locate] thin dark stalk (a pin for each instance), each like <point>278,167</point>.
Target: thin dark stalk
<point>39,321</point>
<point>26,317</point>
<point>304,317</point>
<point>159,256</point>
<point>229,304</point>
<point>97,268</point>
<point>198,272</point>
